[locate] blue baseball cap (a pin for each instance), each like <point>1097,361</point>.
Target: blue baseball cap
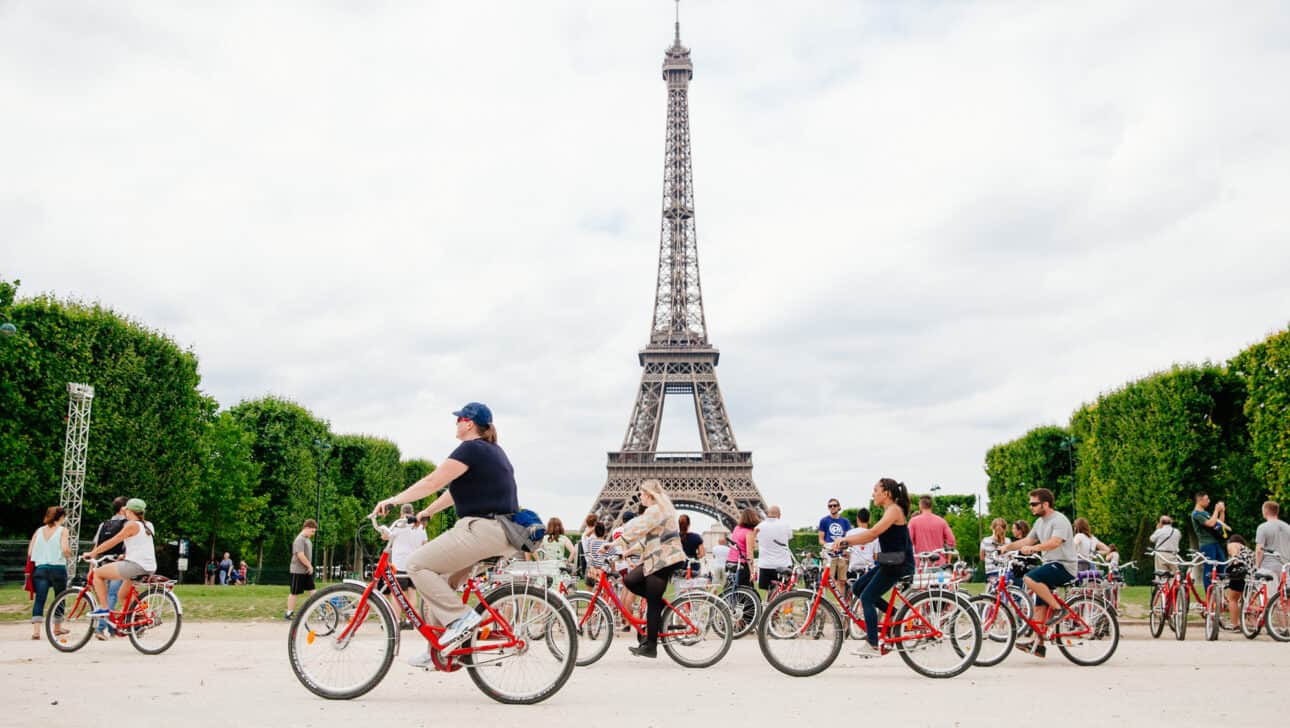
<point>476,412</point>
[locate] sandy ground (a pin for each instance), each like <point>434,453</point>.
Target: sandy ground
<point>237,674</point>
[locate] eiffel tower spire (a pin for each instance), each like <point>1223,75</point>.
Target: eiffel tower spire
<point>679,359</point>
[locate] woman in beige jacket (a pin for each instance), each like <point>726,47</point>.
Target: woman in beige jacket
<point>658,536</point>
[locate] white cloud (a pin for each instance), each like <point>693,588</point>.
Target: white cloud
<point>923,228</point>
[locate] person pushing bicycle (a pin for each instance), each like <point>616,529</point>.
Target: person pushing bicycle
<point>1053,536</point>
<point>480,484</point>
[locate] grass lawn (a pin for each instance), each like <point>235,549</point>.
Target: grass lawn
<point>219,603</point>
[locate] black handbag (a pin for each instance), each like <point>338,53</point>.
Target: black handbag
<point>890,558</point>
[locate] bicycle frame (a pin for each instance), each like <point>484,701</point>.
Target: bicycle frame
<point>885,624</point>
<point>606,593</point>
<point>131,605</point>
<point>384,575</point>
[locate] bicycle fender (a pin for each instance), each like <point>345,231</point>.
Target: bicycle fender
<point>398,633</point>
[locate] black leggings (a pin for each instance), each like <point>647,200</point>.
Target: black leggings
<point>651,586</point>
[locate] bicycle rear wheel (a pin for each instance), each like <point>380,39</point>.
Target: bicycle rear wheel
<point>1213,610</point>
<point>540,663</point>
<point>351,659</point>
<point>745,607</point>
<point>1178,615</point>
<point>797,642</point>
<point>998,630</point>
<point>700,628</point>
<point>154,624</point>
<point>1253,607</point>
<point>67,622</point>
<point>1277,618</point>
<point>937,633</point>
<point>1158,615</point>
<point>1103,636</point>
<point>595,626</point>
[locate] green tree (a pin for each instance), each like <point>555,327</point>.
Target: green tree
<point>1265,370</point>
<point>1041,458</point>
<point>230,514</point>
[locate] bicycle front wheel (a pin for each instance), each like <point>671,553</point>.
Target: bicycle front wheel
<point>1213,610</point>
<point>745,607</point>
<point>154,625</point>
<point>1158,614</point>
<point>346,660</point>
<point>1253,606</point>
<point>1278,618</point>
<point>998,630</point>
<point>526,652</point>
<point>937,633</point>
<point>798,637</point>
<point>67,622</point>
<point>1097,632</point>
<point>595,626</point>
<point>1178,617</point>
<point>697,629</point>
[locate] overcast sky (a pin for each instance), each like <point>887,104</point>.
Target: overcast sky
<point>924,228</point>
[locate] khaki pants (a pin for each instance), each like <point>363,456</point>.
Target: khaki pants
<point>1162,565</point>
<point>438,567</point>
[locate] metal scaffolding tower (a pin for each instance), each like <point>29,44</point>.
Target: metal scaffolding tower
<point>80,397</point>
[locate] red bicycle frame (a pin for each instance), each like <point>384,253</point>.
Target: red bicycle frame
<point>130,606</point>
<point>604,591</point>
<point>929,631</point>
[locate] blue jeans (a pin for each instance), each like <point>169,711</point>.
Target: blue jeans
<point>43,579</point>
<point>1211,551</point>
<point>870,587</point>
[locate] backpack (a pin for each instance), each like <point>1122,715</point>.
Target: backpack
<point>107,530</point>
<point>524,530</point>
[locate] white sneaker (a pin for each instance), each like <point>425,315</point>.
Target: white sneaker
<point>459,630</point>
<point>424,660</point>
<point>867,650</point>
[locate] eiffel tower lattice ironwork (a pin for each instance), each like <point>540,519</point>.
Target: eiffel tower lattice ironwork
<point>679,359</point>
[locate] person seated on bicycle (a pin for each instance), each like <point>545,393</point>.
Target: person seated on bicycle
<point>596,558</point>
<point>140,556</point>
<point>656,535</point>
<point>1240,564</point>
<point>896,559</point>
<point>861,560</point>
<point>773,555</point>
<point>692,545</point>
<point>405,535</point>
<point>480,484</point>
<point>1053,536</point>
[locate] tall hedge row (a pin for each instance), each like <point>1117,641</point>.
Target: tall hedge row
<point>1142,450</point>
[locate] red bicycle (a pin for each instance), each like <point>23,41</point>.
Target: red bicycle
<point>150,614</point>
<point>935,631</point>
<point>1260,608</point>
<point>1170,594</point>
<point>696,632</point>
<point>342,642</point>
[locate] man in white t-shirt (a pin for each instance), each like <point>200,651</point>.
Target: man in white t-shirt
<point>773,536</point>
<point>1166,540</point>
<point>862,555</point>
<point>405,535</point>
<point>719,554</point>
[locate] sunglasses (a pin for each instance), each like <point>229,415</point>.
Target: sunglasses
<point>1034,503</point>
<point>463,419</point>
<point>834,505</point>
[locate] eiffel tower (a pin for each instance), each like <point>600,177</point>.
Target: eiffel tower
<point>679,359</point>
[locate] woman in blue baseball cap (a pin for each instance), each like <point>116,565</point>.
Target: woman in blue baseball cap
<point>480,485</point>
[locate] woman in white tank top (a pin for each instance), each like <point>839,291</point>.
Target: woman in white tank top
<point>140,554</point>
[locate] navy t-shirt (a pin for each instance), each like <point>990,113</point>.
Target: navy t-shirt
<point>690,545</point>
<point>833,528</point>
<point>488,485</point>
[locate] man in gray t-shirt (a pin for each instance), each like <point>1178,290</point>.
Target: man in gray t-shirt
<point>1272,535</point>
<point>302,565</point>
<point>1053,537</point>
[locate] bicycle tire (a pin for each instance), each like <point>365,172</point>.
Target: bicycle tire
<point>1252,615</point>
<point>965,645</point>
<point>785,620</point>
<point>998,630</point>
<point>75,612</point>
<point>1178,618</point>
<point>541,607</point>
<point>745,608</point>
<point>715,618</point>
<point>162,611</point>
<point>854,630</point>
<point>382,629</point>
<point>1212,612</point>
<point>1105,625</point>
<point>1277,618</point>
<point>595,632</point>
<point>1158,613</point>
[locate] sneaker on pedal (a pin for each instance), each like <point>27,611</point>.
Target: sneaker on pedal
<point>867,650</point>
<point>425,661</point>
<point>100,612</point>
<point>462,628</point>
<point>1033,648</point>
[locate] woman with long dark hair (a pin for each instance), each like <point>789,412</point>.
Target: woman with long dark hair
<point>895,561</point>
<point>49,550</point>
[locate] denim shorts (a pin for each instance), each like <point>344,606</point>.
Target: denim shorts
<point>1051,574</point>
